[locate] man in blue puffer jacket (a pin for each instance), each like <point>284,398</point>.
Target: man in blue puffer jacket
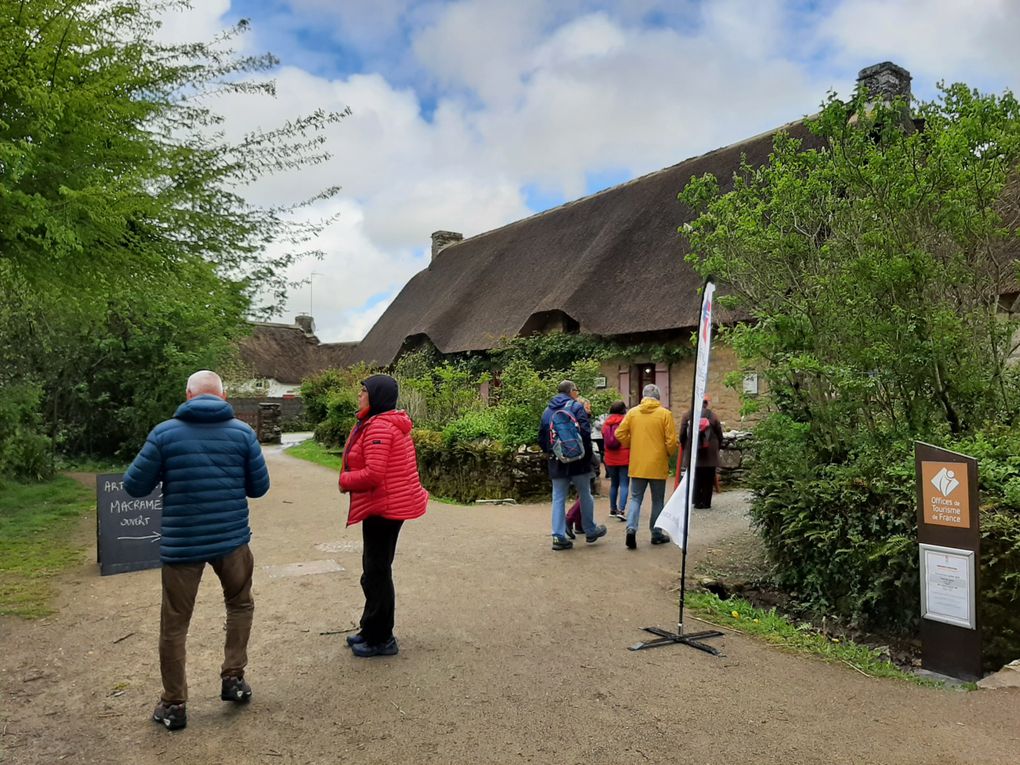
<point>209,463</point>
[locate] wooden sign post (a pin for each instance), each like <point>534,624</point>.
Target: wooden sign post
<point>949,545</point>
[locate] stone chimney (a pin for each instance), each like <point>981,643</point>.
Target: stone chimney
<point>306,322</point>
<point>443,239</point>
<point>885,82</point>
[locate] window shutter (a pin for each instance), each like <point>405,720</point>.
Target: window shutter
<point>624,386</point>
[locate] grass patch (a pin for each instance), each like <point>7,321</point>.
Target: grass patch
<point>37,523</point>
<point>739,615</point>
<point>312,451</point>
<point>90,465</point>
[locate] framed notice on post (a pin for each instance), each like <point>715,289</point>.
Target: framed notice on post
<point>947,585</point>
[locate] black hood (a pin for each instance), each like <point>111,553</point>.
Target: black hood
<point>382,394</point>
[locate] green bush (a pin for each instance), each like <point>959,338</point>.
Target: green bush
<point>25,453</point>
<point>444,397</point>
<point>331,402</point>
<point>843,537</point>
<point>475,425</point>
<point>435,394</point>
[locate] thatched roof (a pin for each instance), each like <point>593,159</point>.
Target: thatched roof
<point>609,264</point>
<point>285,352</point>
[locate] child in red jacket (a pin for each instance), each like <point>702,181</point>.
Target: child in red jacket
<point>380,471</point>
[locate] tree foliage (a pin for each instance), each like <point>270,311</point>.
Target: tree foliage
<point>129,254</point>
<point>876,268</point>
<point>872,267</point>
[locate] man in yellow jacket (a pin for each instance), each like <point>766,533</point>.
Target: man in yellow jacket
<point>649,432</point>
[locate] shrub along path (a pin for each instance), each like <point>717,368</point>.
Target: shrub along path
<point>509,653</point>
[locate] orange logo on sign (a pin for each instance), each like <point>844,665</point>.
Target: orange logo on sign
<point>946,494</point>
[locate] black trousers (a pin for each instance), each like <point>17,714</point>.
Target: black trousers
<point>380,544</point>
<point>704,485</point>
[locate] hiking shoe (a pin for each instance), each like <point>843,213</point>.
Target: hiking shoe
<point>631,539</point>
<point>562,543</point>
<point>570,532</point>
<point>355,639</point>
<point>364,650</point>
<point>600,531</point>
<point>173,716</point>
<point>235,689</point>
<point>659,538</point>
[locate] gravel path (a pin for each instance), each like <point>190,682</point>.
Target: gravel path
<point>509,653</point>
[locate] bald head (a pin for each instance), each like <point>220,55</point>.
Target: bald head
<point>204,383</point>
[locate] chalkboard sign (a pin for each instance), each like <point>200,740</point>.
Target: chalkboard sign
<point>127,528</point>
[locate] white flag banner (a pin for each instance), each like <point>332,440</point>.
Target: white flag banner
<point>674,516</point>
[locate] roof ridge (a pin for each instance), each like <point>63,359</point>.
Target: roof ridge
<point>632,181</point>
<point>277,324</point>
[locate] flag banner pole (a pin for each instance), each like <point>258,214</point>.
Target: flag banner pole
<point>675,518</point>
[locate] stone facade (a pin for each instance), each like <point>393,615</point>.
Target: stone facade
<point>676,380</point>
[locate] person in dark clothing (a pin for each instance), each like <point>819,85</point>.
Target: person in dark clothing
<point>380,472</point>
<point>563,474</point>
<point>708,455</point>
<point>209,463</point>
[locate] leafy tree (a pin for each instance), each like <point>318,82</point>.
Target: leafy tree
<point>872,267</point>
<point>128,254</point>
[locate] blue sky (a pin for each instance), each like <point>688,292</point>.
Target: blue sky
<point>469,114</point>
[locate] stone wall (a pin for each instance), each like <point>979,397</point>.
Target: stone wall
<point>735,457</point>
<point>480,470</point>
<point>488,470</point>
<point>292,411</point>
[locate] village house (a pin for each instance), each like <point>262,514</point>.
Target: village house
<point>610,264</point>
<point>276,357</point>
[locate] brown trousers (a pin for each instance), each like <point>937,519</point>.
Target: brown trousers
<point>180,587</point>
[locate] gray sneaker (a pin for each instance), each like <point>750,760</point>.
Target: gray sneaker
<point>173,716</point>
<point>600,531</point>
<point>235,689</point>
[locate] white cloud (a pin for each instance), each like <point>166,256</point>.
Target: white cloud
<point>200,23</point>
<point>353,271</point>
<point>459,106</point>
<point>934,39</point>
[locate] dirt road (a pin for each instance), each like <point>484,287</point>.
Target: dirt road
<point>509,652</point>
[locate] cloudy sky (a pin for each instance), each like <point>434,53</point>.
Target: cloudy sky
<point>469,114</point>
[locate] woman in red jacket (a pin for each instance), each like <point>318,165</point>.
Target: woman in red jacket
<point>617,458</point>
<point>380,471</point>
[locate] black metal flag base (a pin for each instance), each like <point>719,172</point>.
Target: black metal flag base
<point>692,639</point>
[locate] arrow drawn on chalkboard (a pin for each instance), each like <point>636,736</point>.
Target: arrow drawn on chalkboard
<point>154,536</point>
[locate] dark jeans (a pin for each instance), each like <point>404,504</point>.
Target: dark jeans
<point>180,586</point>
<point>380,544</point>
<point>704,485</point>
